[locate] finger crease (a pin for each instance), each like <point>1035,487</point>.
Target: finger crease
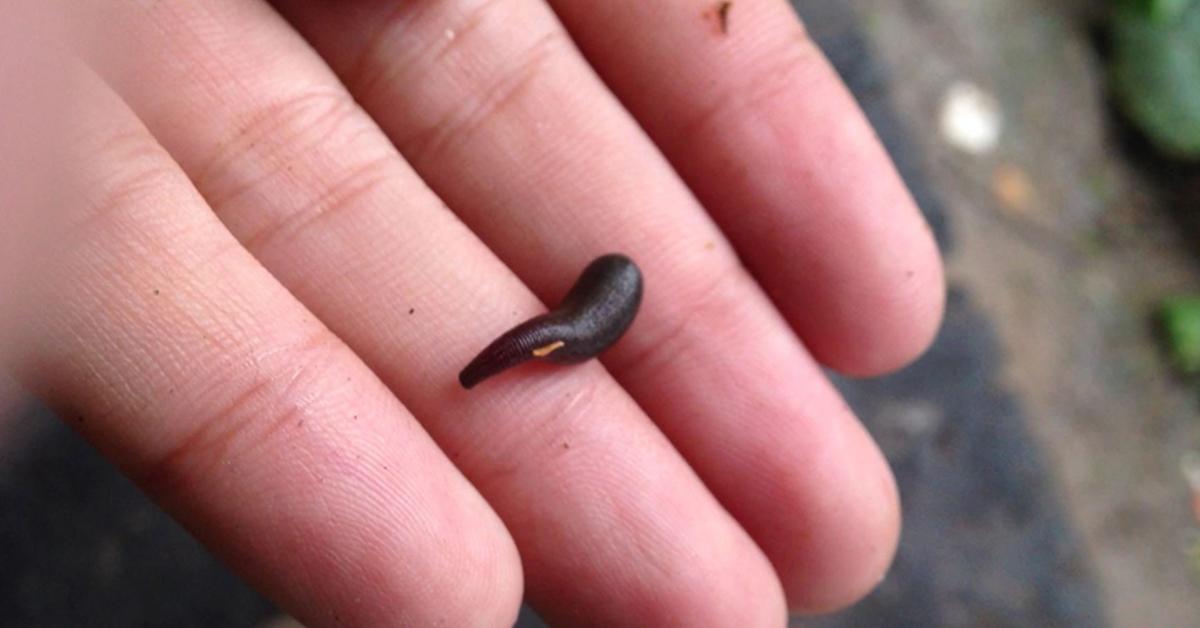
<point>339,197</point>
<point>491,102</point>
<point>273,393</point>
<point>271,135</point>
<point>777,76</point>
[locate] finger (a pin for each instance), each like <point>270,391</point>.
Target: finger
<point>495,109</point>
<point>611,524</point>
<point>757,122</point>
<point>171,349</point>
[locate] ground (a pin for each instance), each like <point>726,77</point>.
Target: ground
<point>1069,274</point>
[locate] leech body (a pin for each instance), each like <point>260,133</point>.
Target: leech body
<point>594,314</point>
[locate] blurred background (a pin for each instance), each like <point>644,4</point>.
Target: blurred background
<point>1047,447</point>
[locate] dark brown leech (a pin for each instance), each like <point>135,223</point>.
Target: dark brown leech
<point>594,314</point>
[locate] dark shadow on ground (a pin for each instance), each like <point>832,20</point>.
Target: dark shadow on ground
<point>985,541</point>
<point>81,547</point>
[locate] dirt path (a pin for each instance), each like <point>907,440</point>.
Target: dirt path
<point>1063,247</point>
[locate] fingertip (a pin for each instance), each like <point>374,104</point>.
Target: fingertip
<point>744,591</point>
<point>888,324</point>
<point>461,587</point>
<point>825,507</point>
<point>853,558</point>
<point>745,594</point>
<point>483,584</point>
<point>496,586</point>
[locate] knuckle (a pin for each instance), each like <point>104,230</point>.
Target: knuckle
<point>275,133</point>
<point>113,193</point>
<point>511,88</point>
<point>785,66</point>
<point>340,195</point>
<point>476,77</point>
<point>243,408</point>
<point>262,154</point>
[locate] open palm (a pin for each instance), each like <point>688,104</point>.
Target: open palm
<point>291,225</point>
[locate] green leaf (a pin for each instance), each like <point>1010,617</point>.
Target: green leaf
<point>1156,70</point>
<point>1156,9</point>
<point>1181,325</point>
<point>1168,9</point>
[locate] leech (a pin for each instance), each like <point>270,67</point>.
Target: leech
<point>591,318</point>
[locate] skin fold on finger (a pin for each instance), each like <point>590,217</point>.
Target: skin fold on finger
<point>510,127</point>
<point>612,525</point>
<point>167,345</point>
<point>759,125</point>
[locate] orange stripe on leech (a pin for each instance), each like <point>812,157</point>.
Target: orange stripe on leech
<point>542,352</point>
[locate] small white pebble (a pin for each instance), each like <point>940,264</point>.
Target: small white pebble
<point>971,119</point>
<point>914,418</point>
<point>1190,466</point>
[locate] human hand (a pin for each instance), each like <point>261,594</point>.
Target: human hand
<point>258,303</point>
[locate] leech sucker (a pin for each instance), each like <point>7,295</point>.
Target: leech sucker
<point>591,318</point>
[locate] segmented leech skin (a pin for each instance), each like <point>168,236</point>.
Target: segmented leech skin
<point>591,318</point>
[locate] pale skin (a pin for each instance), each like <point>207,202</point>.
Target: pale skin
<point>298,221</point>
